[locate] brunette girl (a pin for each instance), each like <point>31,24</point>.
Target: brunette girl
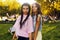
<point>37,18</point>
<point>24,24</point>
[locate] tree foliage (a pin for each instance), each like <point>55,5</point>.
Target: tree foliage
<point>10,6</point>
<point>48,6</point>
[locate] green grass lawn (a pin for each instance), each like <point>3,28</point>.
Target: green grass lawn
<point>4,34</point>
<point>51,31</point>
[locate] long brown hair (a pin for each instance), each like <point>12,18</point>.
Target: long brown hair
<point>38,10</point>
<point>22,23</point>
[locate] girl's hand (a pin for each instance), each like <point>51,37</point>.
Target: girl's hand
<point>14,37</point>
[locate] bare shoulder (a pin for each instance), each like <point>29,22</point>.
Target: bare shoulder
<point>39,17</point>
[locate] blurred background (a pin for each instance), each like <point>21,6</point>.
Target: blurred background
<point>10,10</point>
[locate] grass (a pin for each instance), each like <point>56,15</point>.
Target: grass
<point>51,31</point>
<point>4,35</point>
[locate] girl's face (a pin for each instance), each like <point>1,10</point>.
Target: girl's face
<point>34,8</point>
<point>25,10</point>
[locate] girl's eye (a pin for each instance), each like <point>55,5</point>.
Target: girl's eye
<point>26,8</point>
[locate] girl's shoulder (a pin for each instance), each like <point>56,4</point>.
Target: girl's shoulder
<point>19,17</point>
<point>39,15</point>
<point>30,17</point>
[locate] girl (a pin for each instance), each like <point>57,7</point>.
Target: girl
<point>36,14</point>
<point>24,24</point>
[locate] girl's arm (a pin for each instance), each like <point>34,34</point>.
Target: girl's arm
<point>30,36</point>
<point>14,36</point>
<point>30,27</point>
<point>37,27</point>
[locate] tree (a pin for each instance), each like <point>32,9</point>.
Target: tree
<point>49,6</point>
<point>9,6</point>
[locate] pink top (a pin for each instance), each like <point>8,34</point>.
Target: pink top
<point>27,27</point>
